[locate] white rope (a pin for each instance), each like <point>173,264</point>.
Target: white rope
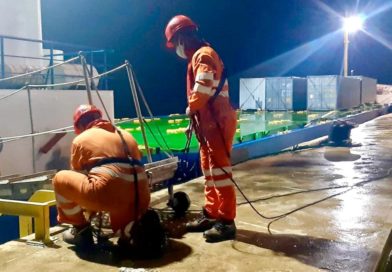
<point>64,129</point>
<point>63,84</point>
<point>110,71</point>
<point>78,81</point>
<point>15,92</point>
<point>57,84</point>
<point>40,70</point>
<point>27,136</point>
<point>125,121</point>
<point>57,130</point>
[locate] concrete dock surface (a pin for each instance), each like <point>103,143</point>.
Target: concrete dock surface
<point>344,227</point>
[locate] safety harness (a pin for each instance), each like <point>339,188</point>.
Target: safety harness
<point>147,236</point>
<point>210,102</point>
<point>219,88</point>
<point>129,160</point>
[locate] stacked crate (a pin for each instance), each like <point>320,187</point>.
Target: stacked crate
<point>333,92</point>
<point>368,89</point>
<point>285,93</point>
<point>252,93</point>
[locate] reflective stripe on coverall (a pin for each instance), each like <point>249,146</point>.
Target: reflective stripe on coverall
<point>215,130</point>
<point>109,187</point>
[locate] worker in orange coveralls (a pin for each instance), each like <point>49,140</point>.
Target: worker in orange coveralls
<point>214,122</point>
<point>102,178</point>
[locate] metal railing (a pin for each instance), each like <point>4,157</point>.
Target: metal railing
<point>97,58</point>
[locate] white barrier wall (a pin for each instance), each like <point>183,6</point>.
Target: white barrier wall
<point>51,109</point>
<point>21,18</point>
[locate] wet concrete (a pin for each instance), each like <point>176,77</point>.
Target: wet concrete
<point>344,232</point>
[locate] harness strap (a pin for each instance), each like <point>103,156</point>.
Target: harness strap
<point>110,160</point>
<point>219,88</point>
<point>129,159</point>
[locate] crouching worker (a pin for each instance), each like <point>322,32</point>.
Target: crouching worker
<point>106,176</point>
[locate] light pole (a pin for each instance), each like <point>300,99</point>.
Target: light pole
<point>350,25</point>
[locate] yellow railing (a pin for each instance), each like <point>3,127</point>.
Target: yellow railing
<point>36,207</point>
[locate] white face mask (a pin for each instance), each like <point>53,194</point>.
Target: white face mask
<point>180,51</point>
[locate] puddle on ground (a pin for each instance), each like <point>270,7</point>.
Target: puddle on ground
<point>340,154</point>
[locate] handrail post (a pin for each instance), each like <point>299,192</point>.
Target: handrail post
<point>2,57</point>
<point>51,62</point>
<point>86,79</point>
<point>137,107</point>
<point>91,63</point>
<point>105,68</point>
<point>31,125</point>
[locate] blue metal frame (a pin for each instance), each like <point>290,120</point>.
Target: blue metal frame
<point>74,50</point>
<point>2,56</point>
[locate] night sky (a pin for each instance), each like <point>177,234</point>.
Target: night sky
<point>255,38</point>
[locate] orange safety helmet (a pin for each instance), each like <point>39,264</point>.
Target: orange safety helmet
<point>176,24</point>
<point>83,110</point>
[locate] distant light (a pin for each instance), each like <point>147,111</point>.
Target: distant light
<point>352,24</point>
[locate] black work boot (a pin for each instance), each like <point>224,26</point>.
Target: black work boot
<point>203,223</point>
<point>220,232</point>
<point>79,236</point>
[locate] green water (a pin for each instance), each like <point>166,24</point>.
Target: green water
<point>167,133</point>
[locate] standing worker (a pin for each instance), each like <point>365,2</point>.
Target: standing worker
<point>214,122</point>
<point>106,176</point>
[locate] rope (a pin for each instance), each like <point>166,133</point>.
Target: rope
<point>77,81</point>
<point>38,71</point>
<point>349,188</point>
<point>125,121</point>
<point>140,90</point>
<point>11,94</point>
<point>64,129</point>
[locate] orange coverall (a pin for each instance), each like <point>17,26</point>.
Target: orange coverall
<point>215,130</point>
<point>109,187</point>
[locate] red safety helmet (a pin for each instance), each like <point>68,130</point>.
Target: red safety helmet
<point>83,110</point>
<point>176,24</point>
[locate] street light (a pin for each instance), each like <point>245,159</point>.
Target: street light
<point>350,25</point>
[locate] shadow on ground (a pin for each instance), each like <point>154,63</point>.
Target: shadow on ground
<point>109,255</point>
<point>317,252</point>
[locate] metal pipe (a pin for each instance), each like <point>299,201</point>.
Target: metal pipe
<point>51,64</point>
<point>86,79</point>
<point>94,87</point>
<point>77,81</point>
<point>44,41</point>
<point>105,68</point>
<point>32,126</point>
<point>26,57</point>
<point>345,57</point>
<point>37,71</point>
<point>91,65</point>
<point>2,57</point>
<point>132,85</point>
<point>78,52</point>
